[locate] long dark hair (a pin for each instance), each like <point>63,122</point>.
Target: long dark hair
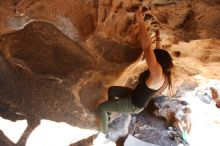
<point>166,62</point>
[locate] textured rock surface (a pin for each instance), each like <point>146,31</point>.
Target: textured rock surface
<point>146,129</point>
<point>41,52</point>
<point>152,125</point>
<point>55,78</point>
<point>57,58</point>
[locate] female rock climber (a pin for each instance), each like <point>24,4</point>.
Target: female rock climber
<point>151,82</point>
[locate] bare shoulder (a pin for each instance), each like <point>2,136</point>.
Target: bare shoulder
<point>155,82</point>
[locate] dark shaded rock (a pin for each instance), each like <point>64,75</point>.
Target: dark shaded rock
<point>46,75</point>
<point>151,129</point>
<point>46,50</point>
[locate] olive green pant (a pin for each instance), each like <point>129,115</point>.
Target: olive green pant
<point>118,101</point>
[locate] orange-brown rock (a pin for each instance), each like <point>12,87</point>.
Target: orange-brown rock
<point>57,58</point>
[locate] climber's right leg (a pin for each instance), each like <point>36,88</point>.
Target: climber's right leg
<point>118,92</point>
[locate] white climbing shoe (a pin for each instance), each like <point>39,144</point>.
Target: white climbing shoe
<point>102,140</point>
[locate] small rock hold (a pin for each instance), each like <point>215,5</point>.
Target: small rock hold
<point>214,93</point>
<point>176,53</point>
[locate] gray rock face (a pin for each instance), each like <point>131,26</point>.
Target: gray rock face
<point>119,127</point>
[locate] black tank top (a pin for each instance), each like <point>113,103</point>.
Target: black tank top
<point>142,94</point>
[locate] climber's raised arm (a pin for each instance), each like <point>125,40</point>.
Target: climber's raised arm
<point>146,44</point>
<point>158,39</point>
